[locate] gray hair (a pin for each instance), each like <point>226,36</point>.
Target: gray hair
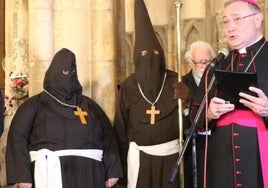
<point>200,43</point>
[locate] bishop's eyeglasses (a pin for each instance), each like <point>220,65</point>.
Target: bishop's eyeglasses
<point>202,62</point>
<point>238,20</point>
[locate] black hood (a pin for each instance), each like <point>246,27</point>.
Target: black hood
<point>61,78</point>
<point>149,68</point>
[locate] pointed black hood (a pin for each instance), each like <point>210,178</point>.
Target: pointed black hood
<point>149,67</point>
<point>61,78</point>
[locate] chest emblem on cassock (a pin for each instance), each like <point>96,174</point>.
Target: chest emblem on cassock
<point>81,114</point>
<point>78,112</point>
<point>152,112</point>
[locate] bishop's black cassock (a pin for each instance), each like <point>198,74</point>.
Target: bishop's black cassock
<point>237,154</point>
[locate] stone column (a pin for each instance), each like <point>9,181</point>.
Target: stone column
<point>16,61</point>
<point>103,54</point>
<point>41,45</point>
<point>171,59</point>
<point>20,37</point>
<point>130,39</point>
<point>72,31</point>
<point>264,6</point>
<point>120,38</point>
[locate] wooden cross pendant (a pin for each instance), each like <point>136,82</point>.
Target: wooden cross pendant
<point>152,112</point>
<point>81,115</point>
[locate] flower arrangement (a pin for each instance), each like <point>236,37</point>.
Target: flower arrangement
<point>19,85</point>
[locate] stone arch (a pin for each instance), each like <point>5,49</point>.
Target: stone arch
<point>193,30</point>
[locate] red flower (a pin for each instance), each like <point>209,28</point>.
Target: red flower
<point>19,85</point>
<point>19,82</point>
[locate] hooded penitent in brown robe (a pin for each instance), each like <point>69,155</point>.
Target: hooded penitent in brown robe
<point>47,121</point>
<point>149,86</point>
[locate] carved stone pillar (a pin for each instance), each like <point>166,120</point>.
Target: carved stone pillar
<point>171,59</point>
<point>41,48</point>
<point>103,64</point>
<point>20,37</point>
<point>16,61</point>
<point>264,6</point>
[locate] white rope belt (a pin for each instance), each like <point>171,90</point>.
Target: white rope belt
<point>47,164</point>
<point>133,158</point>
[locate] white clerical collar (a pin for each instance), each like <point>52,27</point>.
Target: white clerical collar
<point>196,79</point>
<point>244,50</point>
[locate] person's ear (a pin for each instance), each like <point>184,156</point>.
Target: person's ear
<point>259,19</point>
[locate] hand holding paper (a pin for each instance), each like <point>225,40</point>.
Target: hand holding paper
<point>258,104</point>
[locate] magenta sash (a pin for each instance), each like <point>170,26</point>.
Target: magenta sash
<point>250,119</point>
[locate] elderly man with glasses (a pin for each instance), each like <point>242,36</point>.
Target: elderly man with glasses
<point>199,55</point>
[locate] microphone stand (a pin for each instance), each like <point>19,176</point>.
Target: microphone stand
<point>191,132</point>
<point>194,160</point>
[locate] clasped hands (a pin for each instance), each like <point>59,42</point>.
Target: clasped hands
<point>259,105</point>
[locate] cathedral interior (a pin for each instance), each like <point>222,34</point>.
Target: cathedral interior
<point>101,34</point>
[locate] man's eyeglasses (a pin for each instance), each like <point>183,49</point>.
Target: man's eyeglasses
<point>201,62</point>
<point>238,20</point>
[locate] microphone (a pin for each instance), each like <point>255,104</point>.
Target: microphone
<point>222,54</point>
